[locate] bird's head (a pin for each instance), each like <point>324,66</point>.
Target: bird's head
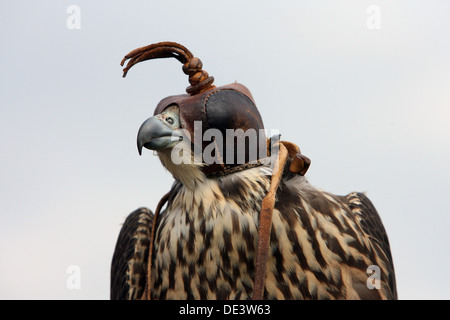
<point>161,132</point>
<point>208,131</point>
<point>164,134</point>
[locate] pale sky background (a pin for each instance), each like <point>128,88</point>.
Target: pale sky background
<point>370,107</point>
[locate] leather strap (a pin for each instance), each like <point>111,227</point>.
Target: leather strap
<point>300,165</point>
<point>148,292</point>
<point>214,170</point>
<point>265,226</point>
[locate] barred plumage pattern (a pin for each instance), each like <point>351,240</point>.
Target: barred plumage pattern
<point>128,269</point>
<point>321,244</point>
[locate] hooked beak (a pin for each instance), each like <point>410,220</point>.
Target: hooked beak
<point>155,135</point>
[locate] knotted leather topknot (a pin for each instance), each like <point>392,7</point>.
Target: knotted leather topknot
<point>192,66</point>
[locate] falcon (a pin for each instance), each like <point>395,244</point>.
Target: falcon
<point>241,221</point>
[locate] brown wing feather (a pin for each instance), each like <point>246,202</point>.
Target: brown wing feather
<point>129,263</point>
<point>372,225</point>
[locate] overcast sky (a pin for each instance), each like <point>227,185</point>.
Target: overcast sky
<point>363,87</point>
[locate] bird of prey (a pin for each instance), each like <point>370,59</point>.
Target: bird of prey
<point>205,242</point>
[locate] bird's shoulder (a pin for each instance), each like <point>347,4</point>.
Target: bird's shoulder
<point>369,219</point>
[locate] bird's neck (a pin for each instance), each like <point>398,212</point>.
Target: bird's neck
<point>188,174</point>
<point>241,192</point>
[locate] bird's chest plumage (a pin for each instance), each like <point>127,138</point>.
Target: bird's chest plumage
<point>205,245</point>
<point>205,249</point>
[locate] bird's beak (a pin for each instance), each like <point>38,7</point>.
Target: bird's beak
<point>155,135</point>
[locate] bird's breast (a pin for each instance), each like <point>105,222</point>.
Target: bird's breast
<point>206,251</point>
